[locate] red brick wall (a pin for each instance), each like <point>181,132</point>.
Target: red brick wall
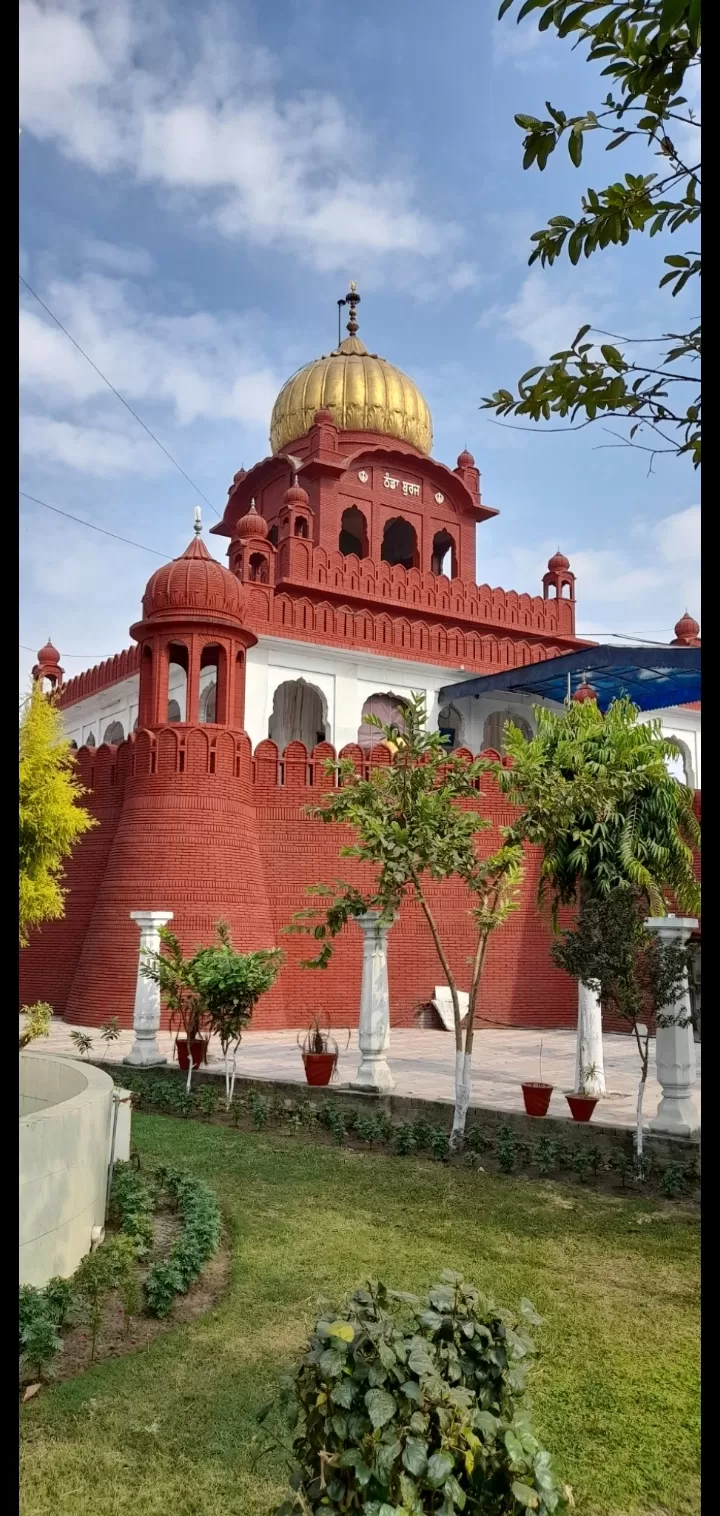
<point>222,838</point>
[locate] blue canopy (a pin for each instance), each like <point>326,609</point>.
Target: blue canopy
<point>652,677</point>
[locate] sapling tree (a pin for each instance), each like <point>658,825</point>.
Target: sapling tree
<point>595,795</point>
<point>37,1023</point>
<point>415,820</point>
<point>635,974</point>
<point>51,819</point>
<point>217,987</point>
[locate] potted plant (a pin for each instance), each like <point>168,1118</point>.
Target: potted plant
<point>536,1094</point>
<point>319,1054</point>
<point>580,1102</point>
<point>173,974</point>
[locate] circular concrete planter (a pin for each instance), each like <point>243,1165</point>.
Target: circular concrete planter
<point>66,1117</point>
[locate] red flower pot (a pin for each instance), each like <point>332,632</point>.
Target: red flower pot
<point>319,1067</point>
<point>582,1106</point>
<point>536,1097</point>
<point>199,1052</point>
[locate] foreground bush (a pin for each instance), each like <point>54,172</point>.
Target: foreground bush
<point>407,1405</point>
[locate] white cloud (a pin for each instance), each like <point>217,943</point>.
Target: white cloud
<point>546,316</point>
<point>523,46</point>
<point>183,368</point>
<point>640,589</point>
<point>257,159</point>
<point>119,260</point>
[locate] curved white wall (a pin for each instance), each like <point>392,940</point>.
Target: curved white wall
<point>66,1114</point>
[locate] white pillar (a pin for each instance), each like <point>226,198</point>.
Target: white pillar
<point>675,1044</point>
<point>374,1030</point>
<point>589,1047</point>
<point>146,1018</point>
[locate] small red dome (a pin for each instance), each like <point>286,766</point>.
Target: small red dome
<point>687,630</point>
<point>465,459</point>
<point>323,417</point>
<point>49,655</point>
<point>558,562</point>
<point>252,525</point>
<point>584,692</point>
<point>296,495</point>
<point>194,583</point>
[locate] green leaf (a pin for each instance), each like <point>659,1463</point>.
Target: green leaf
<point>341,1329</point>
<point>381,1407</point>
<point>525,1496</point>
<point>420,1361</point>
<point>575,148</point>
<point>439,1466</point>
<point>415,1455</point>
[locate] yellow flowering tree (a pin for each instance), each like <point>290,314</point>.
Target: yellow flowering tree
<point>51,817</point>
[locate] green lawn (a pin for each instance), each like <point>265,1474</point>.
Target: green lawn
<point>165,1432</point>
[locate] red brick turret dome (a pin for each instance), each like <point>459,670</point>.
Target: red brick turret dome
<point>558,562</point>
<point>253,524</point>
<point>687,632</point>
<point>194,584</point>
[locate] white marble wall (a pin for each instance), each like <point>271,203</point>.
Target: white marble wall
<point>345,679</point>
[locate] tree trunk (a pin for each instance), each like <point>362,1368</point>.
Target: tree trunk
<point>463,1085</point>
<point>639,1125</point>
<point>589,1049</point>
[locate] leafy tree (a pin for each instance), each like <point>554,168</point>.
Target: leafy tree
<point>51,819</point>
<point>650,50</point>
<point>411,826</point>
<point>38,1020</point>
<point>595,795</point>
<point>216,987</point>
<point>634,973</point>
<point>415,1404</point>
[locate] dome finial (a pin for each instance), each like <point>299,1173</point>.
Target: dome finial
<point>197,521</point>
<point>352,299</point>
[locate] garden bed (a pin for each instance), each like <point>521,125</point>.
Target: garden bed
<point>601,1157</point>
<point>162,1262</point>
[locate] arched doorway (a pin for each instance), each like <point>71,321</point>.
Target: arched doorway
<point>208,702</point>
<point>353,533</point>
<point>298,715</point>
<point>450,726</point>
<point>444,555</point>
<point>389,709</point>
<point>399,544</point>
<point>495,726</point>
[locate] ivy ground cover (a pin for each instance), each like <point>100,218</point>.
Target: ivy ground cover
<point>615,1393</point>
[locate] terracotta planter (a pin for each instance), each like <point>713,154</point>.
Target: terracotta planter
<point>582,1106</point>
<point>199,1052</point>
<point>536,1097</point>
<point>319,1067</point>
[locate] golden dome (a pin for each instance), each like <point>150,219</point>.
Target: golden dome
<point>364,393</point>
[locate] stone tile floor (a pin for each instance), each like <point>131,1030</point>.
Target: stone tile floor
<point>422,1063</point>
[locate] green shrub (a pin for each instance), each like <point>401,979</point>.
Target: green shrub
<point>110,1267</point>
<point>439,1144</point>
<point>545,1155</point>
<point>506,1148</point>
<point>207,1099</point>
<point>332,1117</point>
<point>40,1343</point>
<point>197,1243</point>
<point>407,1404</point>
<point>476,1140</point>
<point>672,1182</point>
<point>259,1109</point>
<point>422,1133</point>
<point>404,1139</point>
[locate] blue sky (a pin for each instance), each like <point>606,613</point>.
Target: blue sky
<point>198,184</point>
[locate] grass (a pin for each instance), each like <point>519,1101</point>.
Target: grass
<point>615,1393</point>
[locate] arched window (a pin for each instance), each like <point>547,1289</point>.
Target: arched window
<point>135,726</point>
<point>208,703</point>
<point>213,706</point>
<point>177,680</point>
<point>495,726</point>
<point>73,744</point>
<point>444,556</point>
<point>298,715</point>
<point>399,544</point>
<point>258,568</point>
<point>680,766</point>
<point>450,726</point>
<point>301,527</point>
<point>114,733</point>
<point>273,535</point>
<point>89,740</point>
<point>353,533</point>
<point>173,711</point>
<point>389,709</point>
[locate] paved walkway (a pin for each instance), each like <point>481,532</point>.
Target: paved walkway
<point>423,1065</point>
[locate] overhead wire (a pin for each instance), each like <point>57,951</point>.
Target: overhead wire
<point>120,397</point>
<point>93,528</point>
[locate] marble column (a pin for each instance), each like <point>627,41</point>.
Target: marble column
<point>374,1031</point>
<point>675,1044</point>
<point>146,1017</point>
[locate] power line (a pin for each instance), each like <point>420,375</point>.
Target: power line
<point>117,393</point>
<point>99,656</point>
<point>93,528</point>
